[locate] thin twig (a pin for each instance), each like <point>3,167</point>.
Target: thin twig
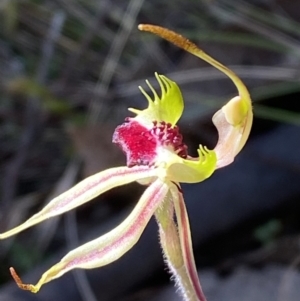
<point>78,12</point>
<point>33,116</point>
<point>113,57</point>
<point>91,30</point>
<point>208,74</point>
<point>221,9</point>
<point>66,181</point>
<point>48,47</point>
<point>80,277</point>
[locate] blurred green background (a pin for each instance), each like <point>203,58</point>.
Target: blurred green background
<point>68,71</point>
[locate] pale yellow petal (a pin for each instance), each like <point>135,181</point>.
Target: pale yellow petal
<point>84,192</point>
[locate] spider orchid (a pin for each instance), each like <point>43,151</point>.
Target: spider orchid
<point>158,158</point>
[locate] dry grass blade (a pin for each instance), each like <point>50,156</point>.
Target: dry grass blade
<point>76,10</point>
<point>208,74</point>
<point>15,215</point>
<point>34,115</point>
<point>92,29</point>
<point>113,57</point>
<point>80,277</point>
<point>67,180</point>
<point>49,44</point>
<point>223,10</point>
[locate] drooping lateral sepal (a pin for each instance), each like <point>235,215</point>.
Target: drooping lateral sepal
<point>172,250</point>
<point>110,246</point>
<point>83,192</point>
<point>184,232</point>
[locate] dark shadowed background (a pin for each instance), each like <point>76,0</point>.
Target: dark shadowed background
<point>68,71</point>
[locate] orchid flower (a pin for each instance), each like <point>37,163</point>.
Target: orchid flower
<point>156,157</point>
